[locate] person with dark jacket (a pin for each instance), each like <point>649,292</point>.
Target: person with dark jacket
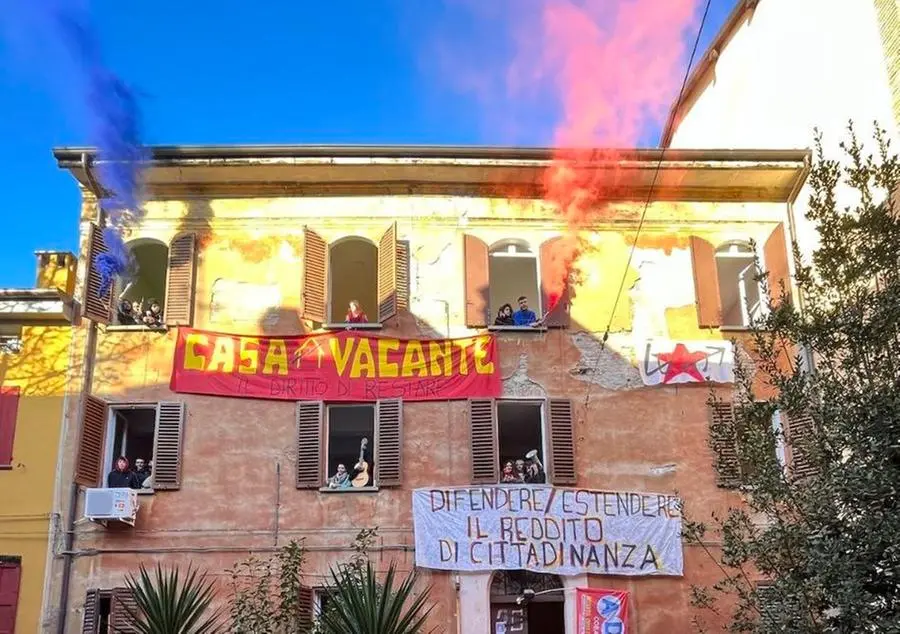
<point>122,477</point>
<point>505,316</point>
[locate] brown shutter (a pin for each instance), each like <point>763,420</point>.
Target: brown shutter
<point>483,441</point>
<point>559,316</point>
<point>402,274</point>
<point>90,620</point>
<point>315,279</point>
<point>310,427</point>
<point>305,608</point>
<point>476,263</point>
<point>387,274</point>
<point>723,441</point>
<point>776,255</point>
<point>123,610</point>
<point>562,442</point>
<point>389,446</point>
<point>95,308</point>
<point>180,282</point>
<point>799,435</point>
<point>167,446</point>
<point>706,283</point>
<point>89,463</point>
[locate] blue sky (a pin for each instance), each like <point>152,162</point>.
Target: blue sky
<point>338,71</point>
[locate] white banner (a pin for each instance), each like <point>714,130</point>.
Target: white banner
<point>664,362</point>
<point>547,529</point>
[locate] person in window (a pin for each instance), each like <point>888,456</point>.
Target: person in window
<point>505,316</point>
<point>509,475</point>
<point>142,473</point>
<point>524,316</point>
<point>520,470</point>
<point>125,313</point>
<point>121,477</point>
<point>534,473</point>
<point>355,315</point>
<point>153,314</point>
<point>340,480</point>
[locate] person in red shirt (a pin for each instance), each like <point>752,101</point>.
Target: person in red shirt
<point>355,315</point>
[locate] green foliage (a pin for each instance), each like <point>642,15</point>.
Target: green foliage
<point>170,604</point>
<point>827,537</point>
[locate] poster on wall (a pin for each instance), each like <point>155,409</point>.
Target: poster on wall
<point>338,366</point>
<point>665,362</point>
<point>548,530</point>
<point>601,611</point>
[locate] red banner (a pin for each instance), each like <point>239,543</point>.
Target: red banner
<point>601,611</point>
<point>339,366</point>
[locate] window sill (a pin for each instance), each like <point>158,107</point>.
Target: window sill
<point>6,467</point>
<point>518,328</point>
<point>136,328</point>
<point>145,491</point>
<point>373,489</point>
<point>345,326</point>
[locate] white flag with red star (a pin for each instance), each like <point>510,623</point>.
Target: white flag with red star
<point>665,362</point>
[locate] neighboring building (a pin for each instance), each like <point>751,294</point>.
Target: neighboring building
<point>35,338</point>
<point>271,243</point>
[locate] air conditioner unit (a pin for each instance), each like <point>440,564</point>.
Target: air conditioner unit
<point>105,505</point>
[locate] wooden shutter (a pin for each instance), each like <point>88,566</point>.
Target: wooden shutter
<point>387,274</point>
<point>723,441</point>
<point>315,278</point>
<point>550,269</point>
<point>706,283</point>
<point>562,442</point>
<point>389,445</point>
<point>167,445</point>
<point>310,427</point>
<point>122,612</point>
<point>799,430</point>
<point>305,607</point>
<point>10,578</point>
<point>483,441</point>
<point>9,408</point>
<point>403,275</point>
<point>95,308</point>
<point>91,618</point>
<point>776,256</point>
<point>89,463</point>
<point>180,283</point>
<point>476,265</point>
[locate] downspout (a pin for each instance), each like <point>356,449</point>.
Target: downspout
<point>90,348</point>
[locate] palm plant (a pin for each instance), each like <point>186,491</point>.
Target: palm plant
<point>358,603</point>
<point>170,604</point>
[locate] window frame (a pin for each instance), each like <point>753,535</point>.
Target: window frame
<point>545,430</point>
<point>757,262</point>
<point>110,437</point>
<point>330,323</point>
<point>326,436</point>
<point>538,297</point>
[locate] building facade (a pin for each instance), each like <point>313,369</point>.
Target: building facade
<point>251,253</point>
<point>35,342</point>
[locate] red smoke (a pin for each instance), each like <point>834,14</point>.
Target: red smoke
<point>613,69</point>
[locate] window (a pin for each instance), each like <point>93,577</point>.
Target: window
<point>107,611</point>
<point>501,274</point>
<point>344,428</point>
<point>355,269</point>
<point>503,431</point>
<point>161,273</point>
<point>10,576</point>
<point>10,339</point>
<point>728,291</point>
<point>321,599</point>
<point>9,408</point>
<point>148,431</point>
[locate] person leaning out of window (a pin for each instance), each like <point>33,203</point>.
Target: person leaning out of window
<point>525,316</point>
<point>121,477</point>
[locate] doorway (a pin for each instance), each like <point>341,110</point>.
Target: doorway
<point>543,614</point>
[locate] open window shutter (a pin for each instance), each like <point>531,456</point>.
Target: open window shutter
<point>180,282</point>
<point>483,441</point>
<point>305,607</point>
<point>90,621</point>
<point>476,263</point>
<point>706,283</point>
<point>310,427</point>
<point>562,442</point>
<point>550,269</point>
<point>9,409</point>
<point>315,267</point>
<point>90,447</point>
<point>96,308</point>
<point>799,431</point>
<point>389,447</point>
<point>122,607</point>
<point>776,256</point>
<point>723,441</point>
<point>403,275</point>
<point>167,450</point>
<point>387,274</point>
<point>10,578</point>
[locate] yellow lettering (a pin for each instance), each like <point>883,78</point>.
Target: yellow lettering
<point>463,345</point>
<point>363,350</point>
<point>223,356</point>
<point>341,356</point>
<point>480,355</point>
<point>249,355</point>
<point>440,355</point>
<point>414,359</point>
<point>276,356</point>
<point>387,368</point>
<point>192,360</point>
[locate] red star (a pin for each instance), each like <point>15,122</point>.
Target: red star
<point>680,361</point>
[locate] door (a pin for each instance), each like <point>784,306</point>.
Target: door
<point>509,618</point>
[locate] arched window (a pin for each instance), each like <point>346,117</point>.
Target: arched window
<point>513,271</point>
<point>740,296</point>
<point>143,289</point>
<point>352,276</point>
